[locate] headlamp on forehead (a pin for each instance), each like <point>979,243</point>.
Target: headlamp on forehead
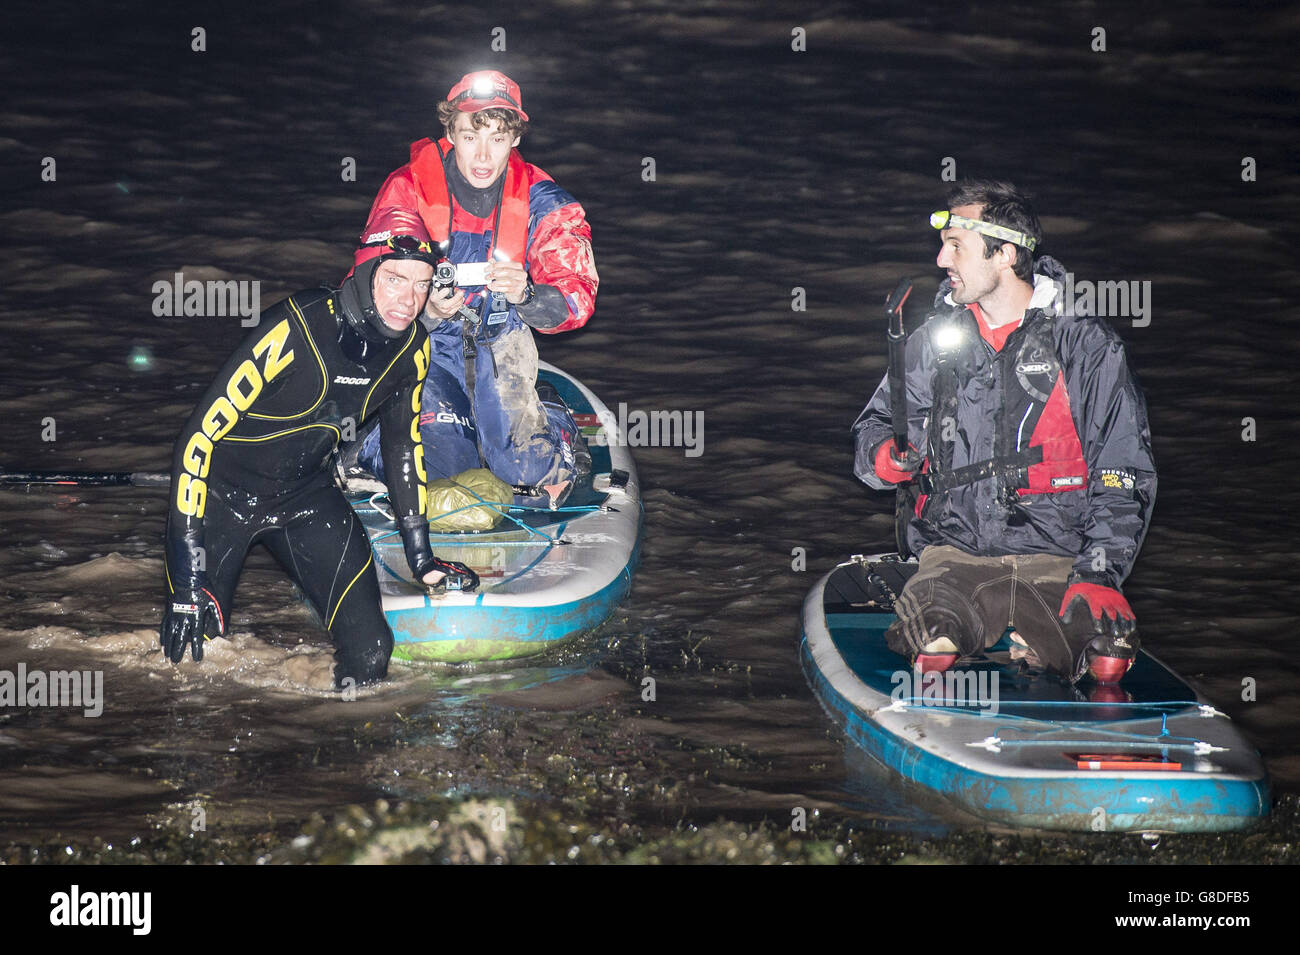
<point>944,219</point>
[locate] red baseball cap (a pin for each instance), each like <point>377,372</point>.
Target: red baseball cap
<point>485,89</point>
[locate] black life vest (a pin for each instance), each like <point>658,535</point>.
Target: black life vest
<point>1036,445</point>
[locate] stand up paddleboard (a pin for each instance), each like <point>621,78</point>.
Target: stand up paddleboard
<point>545,576</point>
<point>1015,746</point>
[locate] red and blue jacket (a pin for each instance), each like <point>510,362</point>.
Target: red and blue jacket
<point>536,223</point>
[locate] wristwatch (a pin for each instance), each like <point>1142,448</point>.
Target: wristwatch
<point>529,289</point>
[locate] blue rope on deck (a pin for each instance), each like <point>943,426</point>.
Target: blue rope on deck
<point>492,505</point>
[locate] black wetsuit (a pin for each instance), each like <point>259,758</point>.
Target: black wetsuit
<point>251,465</point>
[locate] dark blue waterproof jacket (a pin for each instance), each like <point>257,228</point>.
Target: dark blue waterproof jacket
<point>1042,447</point>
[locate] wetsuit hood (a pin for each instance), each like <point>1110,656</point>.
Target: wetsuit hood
<point>358,298</point>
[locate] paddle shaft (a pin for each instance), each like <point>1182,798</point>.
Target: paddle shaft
<point>87,478</point>
<point>904,494</point>
<point>897,368</point>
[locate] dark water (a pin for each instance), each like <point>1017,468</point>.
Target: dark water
<point>775,169</point>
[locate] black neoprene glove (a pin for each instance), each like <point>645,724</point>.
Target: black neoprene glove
<point>192,615</point>
<point>419,556</point>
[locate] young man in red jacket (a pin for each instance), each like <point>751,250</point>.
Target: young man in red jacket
<point>522,248</point>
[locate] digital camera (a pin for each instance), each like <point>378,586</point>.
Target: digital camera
<point>444,275</point>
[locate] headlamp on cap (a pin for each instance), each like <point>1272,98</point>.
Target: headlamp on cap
<point>944,219</point>
<point>484,90</point>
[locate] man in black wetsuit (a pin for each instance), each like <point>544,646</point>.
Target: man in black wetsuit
<point>250,464</point>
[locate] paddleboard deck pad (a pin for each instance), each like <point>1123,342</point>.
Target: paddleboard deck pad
<point>1016,746</point>
<point>544,577</point>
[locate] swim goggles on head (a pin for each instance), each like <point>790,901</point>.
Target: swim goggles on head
<point>944,219</point>
<point>407,247</point>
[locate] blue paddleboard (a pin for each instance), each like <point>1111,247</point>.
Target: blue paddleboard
<point>1015,746</point>
<point>545,575</point>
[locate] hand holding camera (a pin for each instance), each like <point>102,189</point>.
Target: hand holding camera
<point>447,298</point>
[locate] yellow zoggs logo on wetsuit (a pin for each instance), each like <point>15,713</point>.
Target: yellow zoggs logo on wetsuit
<point>241,391</point>
<point>421,369</point>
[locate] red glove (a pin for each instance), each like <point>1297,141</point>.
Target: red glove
<point>1101,601</point>
<point>887,464</point>
<point>1113,650</point>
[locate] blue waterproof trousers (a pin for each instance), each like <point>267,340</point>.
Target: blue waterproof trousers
<point>520,439</point>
